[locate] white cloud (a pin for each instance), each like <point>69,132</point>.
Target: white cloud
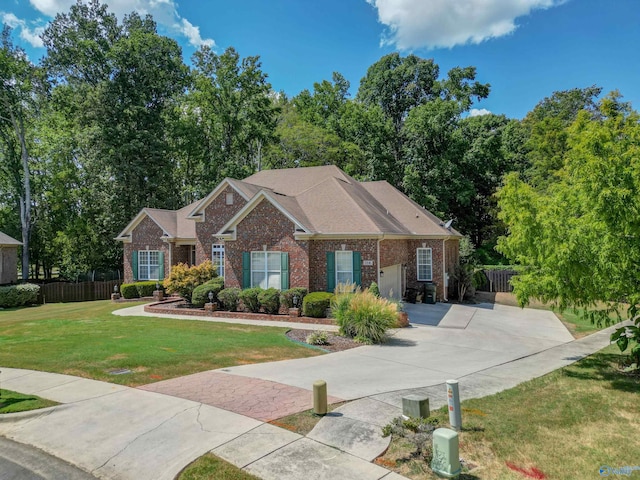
<point>28,33</point>
<point>193,34</point>
<point>478,112</point>
<point>447,23</point>
<point>164,12</point>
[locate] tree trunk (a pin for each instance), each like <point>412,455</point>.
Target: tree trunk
<point>25,198</point>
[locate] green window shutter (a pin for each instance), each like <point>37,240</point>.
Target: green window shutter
<point>284,271</point>
<point>331,271</point>
<point>357,268</point>
<point>246,269</point>
<point>134,265</point>
<point>161,265</point>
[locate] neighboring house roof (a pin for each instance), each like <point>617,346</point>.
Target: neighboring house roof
<point>7,241</point>
<point>319,200</point>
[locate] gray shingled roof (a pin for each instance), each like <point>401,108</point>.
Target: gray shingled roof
<point>325,200</point>
<point>7,241</point>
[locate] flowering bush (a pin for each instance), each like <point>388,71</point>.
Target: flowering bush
<point>184,279</point>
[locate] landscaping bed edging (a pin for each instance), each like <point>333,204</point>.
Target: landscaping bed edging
<point>165,308</point>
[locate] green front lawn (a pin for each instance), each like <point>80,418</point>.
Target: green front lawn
<point>13,402</point>
<point>86,340</point>
<point>566,424</point>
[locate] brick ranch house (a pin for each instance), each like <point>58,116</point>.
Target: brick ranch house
<point>308,227</point>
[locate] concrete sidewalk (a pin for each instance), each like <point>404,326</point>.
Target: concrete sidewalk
<point>117,432</point>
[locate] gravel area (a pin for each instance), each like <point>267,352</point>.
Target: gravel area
<point>336,342</point>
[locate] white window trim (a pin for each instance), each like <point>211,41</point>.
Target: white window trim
<point>343,271</point>
<point>266,270</point>
<point>148,264</point>
<point>218,250</point>
<point>430,264</point>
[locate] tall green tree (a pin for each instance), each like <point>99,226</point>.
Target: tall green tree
<point>18,79</point>
<point>578,235</point>
<point>238,115</point>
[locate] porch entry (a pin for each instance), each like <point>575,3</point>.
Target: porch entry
<point>391,282</point>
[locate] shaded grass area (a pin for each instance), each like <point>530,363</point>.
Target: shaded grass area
<point>86,340</point>
<point>13,402</point>
<point>566,424</point>
<point>210,467</point>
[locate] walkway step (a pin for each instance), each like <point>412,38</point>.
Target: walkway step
<point>260,399</point>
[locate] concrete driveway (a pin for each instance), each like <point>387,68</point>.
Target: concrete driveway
<point>467,339</point>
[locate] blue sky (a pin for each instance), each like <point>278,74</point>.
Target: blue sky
<point>526,49</point>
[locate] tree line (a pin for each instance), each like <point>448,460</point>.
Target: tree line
<point>112,120</point>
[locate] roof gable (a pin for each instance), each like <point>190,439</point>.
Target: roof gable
<point>244,190</point>
<point>7,241</point>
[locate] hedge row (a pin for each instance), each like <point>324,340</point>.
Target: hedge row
<point>139,289</point>
<point>18,295</point>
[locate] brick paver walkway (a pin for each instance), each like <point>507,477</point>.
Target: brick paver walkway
<point>255,398</point>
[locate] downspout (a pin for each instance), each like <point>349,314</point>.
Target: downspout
<point>445,281</point>
<point>378,267</point>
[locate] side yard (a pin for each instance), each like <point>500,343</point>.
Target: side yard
<point>86,340</point>
<point>564,425</point>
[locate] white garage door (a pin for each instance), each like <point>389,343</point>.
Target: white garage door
<point>391,282</point>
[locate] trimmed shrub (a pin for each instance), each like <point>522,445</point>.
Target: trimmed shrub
<point>146,289</point>
<point>184,279</point>
<point>318,337</point>
<point>200,294</point>
<point>373,288</point>
<point>364,317</point>
<point>129,290</point>
<point>315,304</point>
<point>286,297</point>
<point>269,300</point>
<point>249,297</point>
<point>229,297</point>
<point>18,295</point>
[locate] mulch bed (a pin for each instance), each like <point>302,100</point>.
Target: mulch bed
<point>336,342</point>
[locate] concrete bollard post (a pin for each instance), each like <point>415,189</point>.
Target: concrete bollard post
<point>453,401</point>
<point>320,397</point>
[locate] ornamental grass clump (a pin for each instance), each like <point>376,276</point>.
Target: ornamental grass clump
<point>363,316</point>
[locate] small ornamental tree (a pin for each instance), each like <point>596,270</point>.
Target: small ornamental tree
<point>576,235</point>
<point>184,279</point>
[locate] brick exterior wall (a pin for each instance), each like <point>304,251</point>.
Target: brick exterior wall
<point>266,225</point>
<point>318,260</point>
<point>216,215</point>
<point>393,252</point>
<point>180,254</point>
<point>436,262</point>
<point>146,236</point>
<point>8,265</point>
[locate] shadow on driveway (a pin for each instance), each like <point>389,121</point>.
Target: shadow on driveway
<point>426,314</point>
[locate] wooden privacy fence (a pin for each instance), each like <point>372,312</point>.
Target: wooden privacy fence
<point>498,280</point>
<point>76,292</point>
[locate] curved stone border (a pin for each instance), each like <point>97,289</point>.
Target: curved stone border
<point>158,307</point>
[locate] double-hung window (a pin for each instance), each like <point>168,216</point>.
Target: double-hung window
<point>344,267</point>
<point>217,257</point>
<point>148,265</point>
<point>266,269</point>
<point>424,264</point>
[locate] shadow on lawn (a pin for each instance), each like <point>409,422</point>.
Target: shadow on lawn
<point>5,402</point>
<point>604,367</point>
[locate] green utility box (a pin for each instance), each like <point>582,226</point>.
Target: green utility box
<point>446,462</point>
<point>429,293</point>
